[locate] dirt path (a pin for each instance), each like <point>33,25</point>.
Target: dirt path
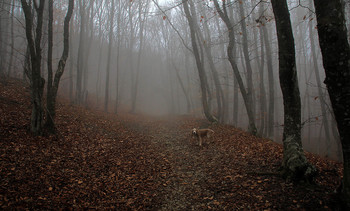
<point>186,186</point>
<point>190,184</point>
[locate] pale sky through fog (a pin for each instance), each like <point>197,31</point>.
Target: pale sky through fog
<point>164,1</point>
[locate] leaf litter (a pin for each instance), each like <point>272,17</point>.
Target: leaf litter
<point>107,161</point>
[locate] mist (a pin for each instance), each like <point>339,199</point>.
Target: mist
<point>146,65</point>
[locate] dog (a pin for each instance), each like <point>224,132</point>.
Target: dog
<point>201,133</point>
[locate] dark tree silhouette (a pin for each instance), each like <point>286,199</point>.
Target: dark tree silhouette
<point>335,50</point>
<point>35,52</point>
<point>295,165</point>
<point>53,83</point>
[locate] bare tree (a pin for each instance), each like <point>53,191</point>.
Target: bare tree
<point>199,63</point>
<point>142,11</point>
<point>110,40</point>
<point>262,20</point>
<point>81,50</point>
<point>34,45</point>
<point>295,164</point>
<point>86,11</point>
<point>206,40</point>
<point>12,38</point>
<point>250,88</point>
<point>4,27</point>
<point>53,83</point>
<point>247,100</point>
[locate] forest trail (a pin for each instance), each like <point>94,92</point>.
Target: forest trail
<point>186,189</point>
<point>136,162</point>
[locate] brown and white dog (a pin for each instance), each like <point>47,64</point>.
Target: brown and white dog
<point>201,133</point>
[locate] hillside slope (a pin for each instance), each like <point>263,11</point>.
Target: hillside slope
<point>100,160</point>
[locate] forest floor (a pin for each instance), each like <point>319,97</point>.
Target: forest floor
<point>137,162</point>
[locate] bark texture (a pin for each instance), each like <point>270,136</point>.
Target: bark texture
<point>295,165</point>
<point>335,50</point>
<point>34,45</point>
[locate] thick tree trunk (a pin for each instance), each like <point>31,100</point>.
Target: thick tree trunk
<point>295,165</point>
<point>335,50</point>
<point>37,82</point>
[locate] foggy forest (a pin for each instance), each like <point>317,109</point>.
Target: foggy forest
<point>271,76</point>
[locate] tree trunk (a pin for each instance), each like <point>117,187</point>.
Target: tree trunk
<point>80,57</point>
<point>250,87</point>
<point>263,105</point>
<point>4,27</point>
<point>199,63</point>
<point>295,165</point>
<point>12,39</point>
<point>335,50</point>
<point>88,39</point>
<point>230,47</point>
<point>271,82</point>
<point>49,124</point>
<point>111,17</point>
<point>182,88</point>
<point>136,80</point>
<point>37,82</point>
<point>320,92</point>
<point>226,86</point>
<point>71,62</point>
<point>206,44</point>
<point>118,59</point>
<point>131,46</point>
<point>52,86</point>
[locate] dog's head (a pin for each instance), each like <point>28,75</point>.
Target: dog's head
<point>194,132</point>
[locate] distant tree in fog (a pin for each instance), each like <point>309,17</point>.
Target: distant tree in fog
<point>246,98</point>
<point>199,62</point>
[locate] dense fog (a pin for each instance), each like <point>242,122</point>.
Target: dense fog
<point>146,63</point>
